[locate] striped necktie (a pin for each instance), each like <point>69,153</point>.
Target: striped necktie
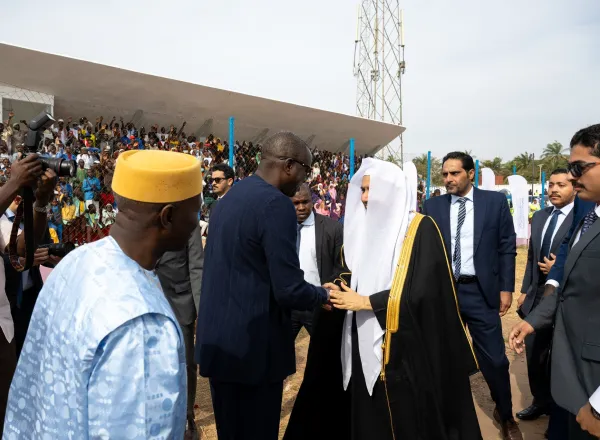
<point>462,213</point>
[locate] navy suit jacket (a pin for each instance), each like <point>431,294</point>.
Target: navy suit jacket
<point>251,282</point>
<point>495,241</point>
<point>580,209</point>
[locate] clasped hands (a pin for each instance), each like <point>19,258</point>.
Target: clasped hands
<point>346,299</point>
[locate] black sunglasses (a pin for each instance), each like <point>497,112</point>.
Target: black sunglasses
<point>217,179</point>
<point>302,164</point>
<point>578,168</point>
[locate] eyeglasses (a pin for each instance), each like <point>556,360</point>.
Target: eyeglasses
<point>579,168</point>
<point>217,180</point>
<point>302,164</point>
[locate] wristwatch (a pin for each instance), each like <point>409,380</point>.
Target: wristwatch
<point>40,209</point>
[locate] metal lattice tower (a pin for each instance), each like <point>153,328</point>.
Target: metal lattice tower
<point>379,66</point>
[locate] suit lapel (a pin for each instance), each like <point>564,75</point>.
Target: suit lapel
<point>479,206</point>
<point>578,247</point>
<point>561,233</point>
<point>319,226</point>
<point>537,228</point>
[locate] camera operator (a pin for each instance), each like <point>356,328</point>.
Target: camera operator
<point>23,288</point>
<point>27,172</point>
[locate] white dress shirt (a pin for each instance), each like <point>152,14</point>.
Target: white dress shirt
<point>6,321</point>
<point>467,233</point>
<point>577,236</point>
<point>308,251</point>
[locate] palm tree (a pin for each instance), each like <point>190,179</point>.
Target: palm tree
<point>527,167</point>
<point>436,168</point>
<point>495,165</point>
<point>523,162</point>
<point>553,156</point>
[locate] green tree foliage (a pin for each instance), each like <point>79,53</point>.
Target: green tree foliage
<point>436,168</point>
<point>554,156</point>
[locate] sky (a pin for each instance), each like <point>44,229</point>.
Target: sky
<point>496,78</point>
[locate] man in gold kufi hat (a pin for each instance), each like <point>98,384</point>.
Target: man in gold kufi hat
<point>104,356</point>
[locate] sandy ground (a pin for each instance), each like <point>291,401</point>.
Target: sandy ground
<point>483,402</point>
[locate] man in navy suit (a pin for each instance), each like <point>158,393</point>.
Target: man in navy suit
<point>251,282</point>
<point>549,226</point>
<point>480,240</point>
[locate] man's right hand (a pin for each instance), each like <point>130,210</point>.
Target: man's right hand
<point>25,172</point>
<point>547,264</point>
<point>516,339</point>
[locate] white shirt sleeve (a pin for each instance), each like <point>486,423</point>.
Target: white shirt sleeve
<point>553,283</point>
<point>5,230</point>
<point>595,400</point>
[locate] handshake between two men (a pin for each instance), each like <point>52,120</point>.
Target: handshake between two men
<point>344,298</point>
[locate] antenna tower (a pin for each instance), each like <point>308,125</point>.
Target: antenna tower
<point>379,66</point>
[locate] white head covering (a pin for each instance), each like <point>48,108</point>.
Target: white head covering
<point>412,183</point>
<point>372,242</point>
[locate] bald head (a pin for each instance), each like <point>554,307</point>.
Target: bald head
<point>285,144</point>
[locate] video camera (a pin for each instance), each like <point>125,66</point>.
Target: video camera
<point>58,249</point>
<point>62,167</point>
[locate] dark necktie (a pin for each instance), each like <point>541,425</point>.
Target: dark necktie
<point>547,241</point>
<point>588,221</point>
<point>300,226</point>
<point>462,213</point>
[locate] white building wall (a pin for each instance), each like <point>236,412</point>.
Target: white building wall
<point>25,103</point>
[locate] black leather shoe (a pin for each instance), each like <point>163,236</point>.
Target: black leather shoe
<point>508,428</point>
<point>533,412</point>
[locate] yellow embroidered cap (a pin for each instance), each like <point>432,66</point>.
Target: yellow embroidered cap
<point>155,176</point>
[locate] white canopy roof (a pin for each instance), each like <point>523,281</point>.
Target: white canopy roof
<point>82,88</point>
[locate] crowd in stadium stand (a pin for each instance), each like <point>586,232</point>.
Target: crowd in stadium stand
<point>84,207</point>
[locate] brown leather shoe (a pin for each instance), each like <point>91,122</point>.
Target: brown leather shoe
<point>509,428</point>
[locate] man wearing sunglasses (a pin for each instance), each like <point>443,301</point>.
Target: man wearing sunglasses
<point>574,309</point>
<point>222,179</point>
<point>251,281</point>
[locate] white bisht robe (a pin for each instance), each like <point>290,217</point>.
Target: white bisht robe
<point>104,356</point>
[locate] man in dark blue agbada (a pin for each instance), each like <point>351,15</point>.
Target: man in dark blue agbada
<point>252,280</point>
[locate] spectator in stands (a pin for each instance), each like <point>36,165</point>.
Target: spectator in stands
<point>18,151</point>
<point>60,131</point>
<point>4,150</point>
<point>55,221</point>
<point>108,215</point>
<point>65,186</point>
<point>87,159</point>
<point>68,210</point>
<point>106,196</point>
<point>68,154</point>
<point>91,189</point>
<point>81,172</point>
<point>18,136</point>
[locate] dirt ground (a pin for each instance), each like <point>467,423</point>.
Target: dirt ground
<point>483,402</point>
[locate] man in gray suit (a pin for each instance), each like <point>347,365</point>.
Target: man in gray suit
<point>575,307</point>
<point>180,274</point>
<point>549,227</point>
